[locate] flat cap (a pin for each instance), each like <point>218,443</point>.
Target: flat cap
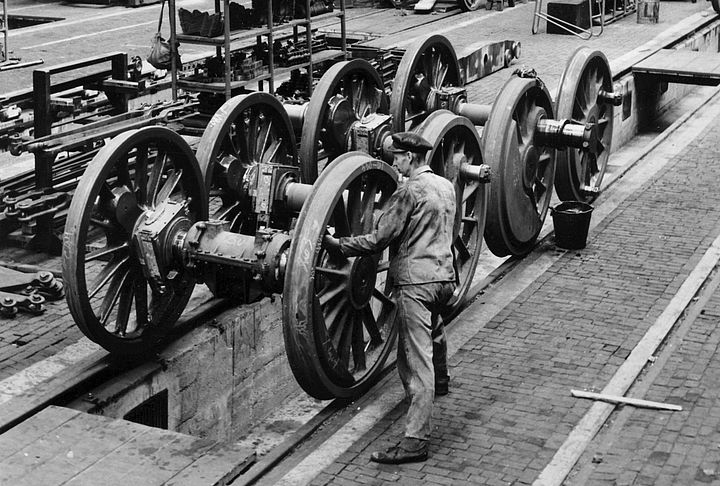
<point>409,142</point>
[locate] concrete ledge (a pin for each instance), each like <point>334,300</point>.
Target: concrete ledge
<point>220,378</point>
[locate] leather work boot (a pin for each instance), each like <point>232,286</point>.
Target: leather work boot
<point>408,450</point>
<point>442,387</point>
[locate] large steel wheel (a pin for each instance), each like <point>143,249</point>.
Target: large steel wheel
<point>108,294</point>
<point>455,143</point>
<point>470,5</point>
<point>424,68</point>
<point>348,91</point>
<point>247,130</point>
<point>580,173</point>
<point>338,318</point>
<point>522,172</point>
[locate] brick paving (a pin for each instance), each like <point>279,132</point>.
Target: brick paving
<point>510,408</point>
<point>680,447</point>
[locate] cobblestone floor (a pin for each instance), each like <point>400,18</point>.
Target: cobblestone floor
<point>510,406</point>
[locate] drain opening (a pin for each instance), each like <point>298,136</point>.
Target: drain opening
<point>153,412</point>
<point>22,21</point>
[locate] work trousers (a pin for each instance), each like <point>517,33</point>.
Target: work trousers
<point>422,349</point>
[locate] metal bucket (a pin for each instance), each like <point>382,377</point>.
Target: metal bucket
<point>648,11</point>
<point>571,220</point>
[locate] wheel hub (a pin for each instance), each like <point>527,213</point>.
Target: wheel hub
<point>362,281</point>
<point>341,117</point>
<point>126,207</point>
<point>158,240</point>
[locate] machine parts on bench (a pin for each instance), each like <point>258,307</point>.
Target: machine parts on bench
<point>25,210</point>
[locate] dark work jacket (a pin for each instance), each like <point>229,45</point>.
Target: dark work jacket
<point>418,225</point>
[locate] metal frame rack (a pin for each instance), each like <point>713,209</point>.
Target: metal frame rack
<point>4,29</point>
<point>224,46</point>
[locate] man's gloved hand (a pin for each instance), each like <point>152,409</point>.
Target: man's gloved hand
<point>331,243</point>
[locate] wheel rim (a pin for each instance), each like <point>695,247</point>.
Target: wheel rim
<point>348,91</point>
<point>429,66</point>
<point>109,297</point>
<point>337,313</point>
<point>245,131</point>
<point>470,5</point>
<point>586,73</point>
<point>455,140</point>
<point>522,173</point>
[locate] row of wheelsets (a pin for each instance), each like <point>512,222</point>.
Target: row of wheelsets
<point>246,212</point>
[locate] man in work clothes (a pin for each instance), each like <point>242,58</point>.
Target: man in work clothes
<point>418,223</point>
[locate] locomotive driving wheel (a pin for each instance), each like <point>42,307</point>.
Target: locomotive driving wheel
<point>586,77</point>
<point>470,5</point>
<point>423,69</point>
<point>522,172</point>
<point>456,143</point>
<point>348,91</point>
<point>129,183</point>
<point>338,318</point>
<point>246,131</point>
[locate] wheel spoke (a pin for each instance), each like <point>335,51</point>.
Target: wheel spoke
<point>169,186</point>
<point>141,169</point>
<point>124,307</point>
<point>328,295</point>
<point>123,172</point>
<point>463,254</point>
<point>383,266</point>
<point>108,271</point>
<point>236,140</point>
<point>119,249</point>
<point>155,177</point>
<point>540,189</point>
<point>343,345</point>
<point>112,295</point>
<point>331,272</point>
<point>267,136</point>
<point>104,224</point>
<point>593,166</point>
<point>355,208</point>
<point>140,289</point>
<point>372,327</point>
<point>340,218</point>
<point>334,321</point>
<point>469,190</point>
<point>382,297</point>
<point>358,344</point>
<point>368,203</point>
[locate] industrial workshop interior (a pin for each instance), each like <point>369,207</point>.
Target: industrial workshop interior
<point>351,242</point>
